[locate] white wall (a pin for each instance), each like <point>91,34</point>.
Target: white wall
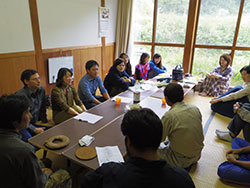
<point>65,23</point>
<point>112,5</point>
<point>15,26</point>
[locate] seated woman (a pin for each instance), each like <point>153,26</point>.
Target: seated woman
<point>156,66</point>
<point>217,82</point>
<point>117,80</point>
<point>141,69</point>
<point>224,104</point>
<point>63,97</point>
<point>237,168</point>
<point>128,68</point>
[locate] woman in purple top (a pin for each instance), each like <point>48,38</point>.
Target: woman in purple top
<point>217,82</point>
<point>141,69</point>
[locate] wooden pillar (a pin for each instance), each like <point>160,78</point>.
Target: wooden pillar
<point>103,50</point>
<point>37,41</point>
<point>237,27</point>
<point>193,13</point>
<point>154,28</point>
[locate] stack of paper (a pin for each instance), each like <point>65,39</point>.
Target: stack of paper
<point>108,154</point>
<point>88,117</point>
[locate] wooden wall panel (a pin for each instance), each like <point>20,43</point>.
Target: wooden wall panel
<point>10,72</point>
<point>11,66</point>
<point>80,58</point>
<point>109,59</point>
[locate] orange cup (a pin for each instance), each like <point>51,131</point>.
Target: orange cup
<point>163,101</point>
<point>118,100</point>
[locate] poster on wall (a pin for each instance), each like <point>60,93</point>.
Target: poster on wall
<point>104,16</point>
<point>55,63</point>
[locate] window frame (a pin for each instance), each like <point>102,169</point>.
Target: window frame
<point>191,33</point>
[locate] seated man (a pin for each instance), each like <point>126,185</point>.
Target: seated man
<point>19,164</point>
<point>241,121</point>
<point>88,85</point>
<point>33,91</point>
<point>182,125</point>
<point>143,131</point>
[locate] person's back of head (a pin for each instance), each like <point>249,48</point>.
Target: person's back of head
<point>27,74</point>
<point>174,93</point>
<point>144,129</point>
<point>12,108</point>
<point>246,68</point>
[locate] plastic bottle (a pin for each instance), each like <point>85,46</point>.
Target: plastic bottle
<point>137,93</point>
<point>137,85</point>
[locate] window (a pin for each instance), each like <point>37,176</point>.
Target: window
<point>244,32</point>
<point>205,60</point>
<point>171,56</point>
<point>161,27</point>
<point>143,20</point>
<point>171,21</point>
<point>241,59</point>
<point>217,22</point>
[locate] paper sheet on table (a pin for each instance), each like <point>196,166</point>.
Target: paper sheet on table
<point>123,99</point>
<point>108,154</point>
<point>143,87</point>
<point>88,117</point>
<point>162,75</point>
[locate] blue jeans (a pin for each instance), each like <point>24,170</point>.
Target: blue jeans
<point>91,104</point>
<point>231,172</point>
<point>226,108</point>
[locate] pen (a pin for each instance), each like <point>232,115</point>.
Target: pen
<point>83,120</point>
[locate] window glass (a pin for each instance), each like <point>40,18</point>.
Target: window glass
<point>171,56</point>
<point>206,60</point>
<point>244,32</point>
<point>171,21</point>
<point>217,22</point>
<point>241,59</point>
<point>143,20</point>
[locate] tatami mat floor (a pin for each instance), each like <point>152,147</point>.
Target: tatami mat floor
<point>204,173</point>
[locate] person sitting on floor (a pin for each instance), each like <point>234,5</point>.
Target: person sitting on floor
<point>126,58</point>
<point>237,168</point>
<point>33,91</point>
<point>143,131</point>
<point>224,104</point>
<point>241,121</point>
<point>88,85</point>
<point>156,66</point>
<point>141,69</point>
<point>19,164</point>
<point>217,82</point>
<point>63,96</point>
<point>117,80</point>
<point>182,125</point>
